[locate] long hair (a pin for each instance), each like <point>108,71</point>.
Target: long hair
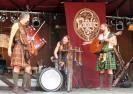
<point>65,46</point>
<point>23,15</point>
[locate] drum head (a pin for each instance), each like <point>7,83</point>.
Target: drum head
<point>50,79</point>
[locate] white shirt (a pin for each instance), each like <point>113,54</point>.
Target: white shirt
<point>103,37</point>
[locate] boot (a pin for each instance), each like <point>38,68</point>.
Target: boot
<point>26,82</point>
<point>110,76</point>
<point>15,80</point>
<point>101,80</point>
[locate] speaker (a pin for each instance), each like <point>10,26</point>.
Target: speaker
<point>125,84</point>
<point>119,26</point>
<point>2,66</point>
<point>36,22</point>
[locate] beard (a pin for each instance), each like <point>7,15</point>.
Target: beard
<point>27,23</point>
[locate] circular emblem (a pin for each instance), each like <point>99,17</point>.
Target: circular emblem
<point>86,24</point>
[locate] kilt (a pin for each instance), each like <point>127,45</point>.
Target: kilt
<point>17,58</point>
<point>109,62</point>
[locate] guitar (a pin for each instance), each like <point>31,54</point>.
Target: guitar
<point>96,45</point>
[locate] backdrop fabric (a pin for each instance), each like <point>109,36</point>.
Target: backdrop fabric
<point>88,76</point>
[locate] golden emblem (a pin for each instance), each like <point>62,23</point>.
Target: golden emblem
<point>86,24</point>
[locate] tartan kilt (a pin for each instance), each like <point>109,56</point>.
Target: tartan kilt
<point>109,63</point>
<point>17,58</point>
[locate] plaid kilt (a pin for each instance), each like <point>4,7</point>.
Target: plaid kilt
<point>109,62</point>
<point>17,58</point>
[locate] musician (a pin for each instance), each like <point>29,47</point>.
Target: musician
<point>61,49</point>
<point>19,51</point>
<point>60,53</point>
<point>106,57</point>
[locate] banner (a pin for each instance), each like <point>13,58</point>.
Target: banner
<point>83,24</point>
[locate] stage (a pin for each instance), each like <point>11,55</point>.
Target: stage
<point>76,65</point>
<point>36,89</point>
<point>5,90</point>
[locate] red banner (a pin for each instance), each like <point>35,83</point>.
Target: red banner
<point>83,22</point>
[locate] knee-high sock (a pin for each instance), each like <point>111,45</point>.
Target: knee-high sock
<point>110,80</point>
<point>15,78</point>
<point>26,80</point>
<point>101,79</point>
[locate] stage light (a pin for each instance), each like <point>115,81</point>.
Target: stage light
<point>14,18</point>
<point>119,25</point>
<point>113,22</point>
<point>57,26</point>
<point>36,21</point>
<point>3,17</point>
<point>130,27</point>
<point>128,22</point>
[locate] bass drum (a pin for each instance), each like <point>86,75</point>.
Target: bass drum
<point>50,79</point>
